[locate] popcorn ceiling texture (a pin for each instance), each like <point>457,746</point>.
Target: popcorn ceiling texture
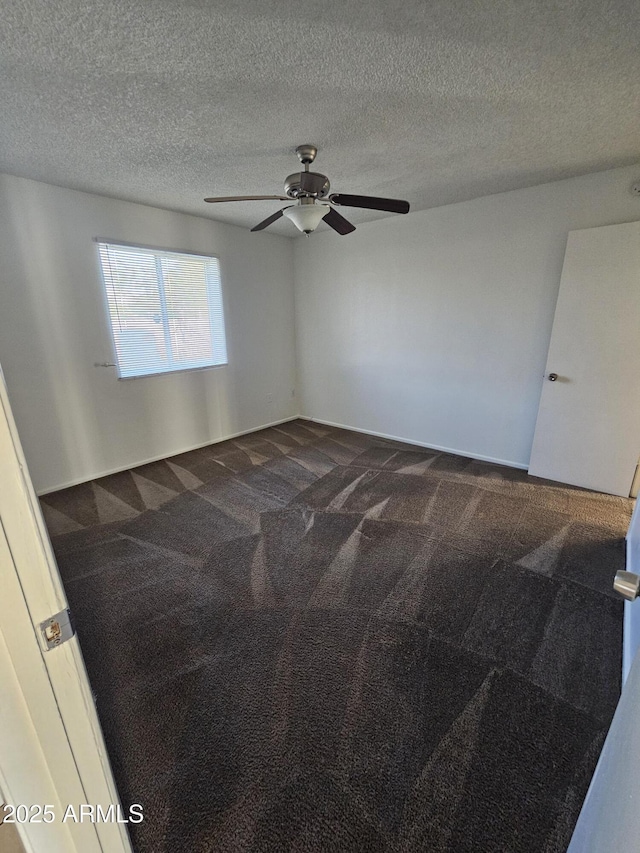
<point>165,103</point>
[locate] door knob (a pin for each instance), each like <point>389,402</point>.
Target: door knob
<point>552,377</point>
<point>627,584</point>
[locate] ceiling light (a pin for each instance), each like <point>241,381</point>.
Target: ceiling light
<point>307,217</point>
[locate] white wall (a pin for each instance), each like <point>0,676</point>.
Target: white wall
<point>434,327</point>
<point>77,421</point>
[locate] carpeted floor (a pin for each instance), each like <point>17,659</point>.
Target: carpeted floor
<point>309,639</point>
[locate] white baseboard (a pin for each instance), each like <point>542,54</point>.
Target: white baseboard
<point>455,451</point>
<point>452,450</point>
<point>117,470</point>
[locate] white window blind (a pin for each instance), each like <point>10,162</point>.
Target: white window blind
<point>165,309</point>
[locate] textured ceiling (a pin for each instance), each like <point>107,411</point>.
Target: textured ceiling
<point>167,102</point>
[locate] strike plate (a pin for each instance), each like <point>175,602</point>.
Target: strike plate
<point>57,629</point>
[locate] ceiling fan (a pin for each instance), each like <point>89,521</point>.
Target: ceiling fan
<point>311,192</point>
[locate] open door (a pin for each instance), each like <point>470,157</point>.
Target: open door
<point>51,751</point>
<point>610,816</point>
<point>588,428</point>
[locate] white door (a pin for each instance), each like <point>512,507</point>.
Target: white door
<point>588,428</point>
<point>51,749</point>
<point>610,818</point>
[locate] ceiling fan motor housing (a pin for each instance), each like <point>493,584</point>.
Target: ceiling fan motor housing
<point>302,184</point>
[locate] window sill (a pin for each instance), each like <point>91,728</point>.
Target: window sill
<point>173,372</point>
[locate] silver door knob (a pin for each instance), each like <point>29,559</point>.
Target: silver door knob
<point>552,377</point>
<point>627,584</point>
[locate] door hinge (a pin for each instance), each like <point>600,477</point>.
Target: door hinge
<point>57,629</point>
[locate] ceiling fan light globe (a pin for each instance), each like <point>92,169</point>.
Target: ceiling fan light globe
<point>306,217</point>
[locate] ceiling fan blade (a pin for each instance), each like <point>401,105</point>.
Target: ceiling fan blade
<point>338,222</point>
<point>270,219</point>
<point>248,198</point>
<point>393,205</point>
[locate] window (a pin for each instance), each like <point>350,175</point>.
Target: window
<point>165,309</point>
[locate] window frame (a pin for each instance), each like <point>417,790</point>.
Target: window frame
<point>105,300</point>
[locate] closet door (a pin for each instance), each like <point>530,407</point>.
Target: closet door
<point>588,427</point>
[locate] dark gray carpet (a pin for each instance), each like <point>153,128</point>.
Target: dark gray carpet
<point>309,639</point>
